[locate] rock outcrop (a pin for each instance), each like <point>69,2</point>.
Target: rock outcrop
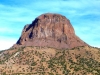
<point>50,30</point>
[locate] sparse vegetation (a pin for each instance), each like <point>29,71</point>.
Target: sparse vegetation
<point>49,61</point>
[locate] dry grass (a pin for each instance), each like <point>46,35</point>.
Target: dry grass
<point>50,61</point>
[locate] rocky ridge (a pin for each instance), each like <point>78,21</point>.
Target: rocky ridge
<point>50,30</point>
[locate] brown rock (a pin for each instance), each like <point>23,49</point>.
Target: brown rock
<point>50,30</point>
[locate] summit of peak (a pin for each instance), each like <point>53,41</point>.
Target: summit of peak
<point>50,30</point>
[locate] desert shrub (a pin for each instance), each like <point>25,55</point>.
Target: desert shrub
<point>33,63</point>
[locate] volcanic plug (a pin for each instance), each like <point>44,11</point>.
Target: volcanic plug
<point>50,30</point>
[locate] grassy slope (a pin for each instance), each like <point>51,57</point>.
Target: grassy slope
<point>50,61</point>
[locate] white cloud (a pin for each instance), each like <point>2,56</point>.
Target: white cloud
<point>6,43</point>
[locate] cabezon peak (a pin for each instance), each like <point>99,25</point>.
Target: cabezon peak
<point>50,30</point>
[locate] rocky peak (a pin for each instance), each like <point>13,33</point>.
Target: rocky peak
<point>50,30</point>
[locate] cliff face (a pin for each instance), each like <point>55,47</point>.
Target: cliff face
<point>50,30</point>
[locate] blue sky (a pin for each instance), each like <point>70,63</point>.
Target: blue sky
<point>84,15</point>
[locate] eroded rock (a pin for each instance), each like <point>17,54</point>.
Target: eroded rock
<point>50,30</point>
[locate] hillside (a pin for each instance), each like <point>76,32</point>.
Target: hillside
<point>84,60</point>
